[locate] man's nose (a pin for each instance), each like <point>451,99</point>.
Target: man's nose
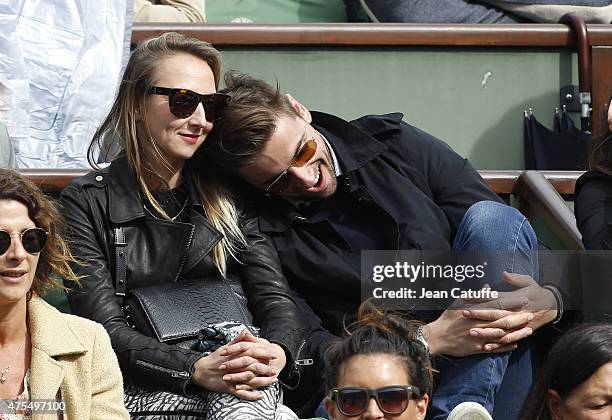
<point>304,176</point>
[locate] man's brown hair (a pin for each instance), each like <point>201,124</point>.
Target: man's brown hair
<point>247,122</point>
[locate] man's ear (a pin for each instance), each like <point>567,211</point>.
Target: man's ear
<point>554,404</point>
<point>302,111</point>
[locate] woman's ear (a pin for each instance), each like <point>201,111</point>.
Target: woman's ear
<point>330,407</point>
<point>302,111</point>
<point>554,403</point>
<point>422,406</point>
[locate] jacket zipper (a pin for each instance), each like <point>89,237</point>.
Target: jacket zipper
<point>178,273</point>
<point>172,372</point>
<point>295,370</point>
<point>302,362</point>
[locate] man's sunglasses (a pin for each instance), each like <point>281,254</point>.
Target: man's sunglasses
<point>353,401</point>
<point>33,240</point>
<point>183,102</point>
<point>301,158</point>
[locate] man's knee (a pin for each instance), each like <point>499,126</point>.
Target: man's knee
<point>500,226</point>
<point>490,214</point>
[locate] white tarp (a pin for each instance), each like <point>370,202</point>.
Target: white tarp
<point>60,62</point>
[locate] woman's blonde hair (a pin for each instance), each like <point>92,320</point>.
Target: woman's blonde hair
<point>118,136</point>
<point>55,258</point>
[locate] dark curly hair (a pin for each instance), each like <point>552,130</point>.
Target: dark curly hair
<point>55,256</point>
<point>378,332</point>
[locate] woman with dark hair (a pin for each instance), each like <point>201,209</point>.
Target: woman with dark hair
<point>382,370</point>
<point>50,363</point>
<point>593,205</point>
<point>575,382</point>
<point>148,219</point>
<point>379,368</point>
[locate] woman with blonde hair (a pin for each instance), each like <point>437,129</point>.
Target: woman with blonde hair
<point>150,219</point>
<point>50,363</point>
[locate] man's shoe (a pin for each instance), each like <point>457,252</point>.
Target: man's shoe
<point>469,411</point>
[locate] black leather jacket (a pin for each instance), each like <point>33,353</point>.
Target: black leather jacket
<point>162,251</point>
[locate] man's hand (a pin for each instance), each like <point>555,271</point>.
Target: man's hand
<point>452,333</point>
<point>502,313</point>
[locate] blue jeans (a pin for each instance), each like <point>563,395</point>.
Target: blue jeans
<point>500,382</point>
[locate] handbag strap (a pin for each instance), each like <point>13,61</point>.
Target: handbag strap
<point>120,265</point>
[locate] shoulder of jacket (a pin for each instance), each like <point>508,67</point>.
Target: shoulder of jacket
<point>378,125</point>
<point>592,176</point>
<point>86,328</point>
<point>80,322</point>
<point>97,179</point>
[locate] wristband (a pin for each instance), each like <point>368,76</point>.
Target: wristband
<point>559,300</point>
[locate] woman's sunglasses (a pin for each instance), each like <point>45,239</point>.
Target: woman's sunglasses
<point>353,401</point>
<point>183,102</point>
<point>33,240</point>
<point>301,158</point>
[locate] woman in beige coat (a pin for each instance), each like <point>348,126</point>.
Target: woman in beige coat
<point>52,365</point>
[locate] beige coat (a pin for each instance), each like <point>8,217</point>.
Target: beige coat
<point>74,356</point>
<point>169,11</point>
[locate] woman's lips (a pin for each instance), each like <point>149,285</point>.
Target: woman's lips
<point>13,276</point>
<point>190,138</point>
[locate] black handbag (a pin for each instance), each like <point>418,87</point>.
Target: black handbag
<point>176,313</point>
<point>180,313</point>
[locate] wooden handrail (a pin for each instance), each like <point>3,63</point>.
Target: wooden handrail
<point>539,190</point>
<point>564,182</point>
<point>397,34</point>
<point>52,180</point>
<point>542,197</point>
<point>502,182</point>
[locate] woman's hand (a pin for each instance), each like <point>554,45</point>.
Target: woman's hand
<point>210,372</point>
<point>241,366</point>
<point>252,361</point>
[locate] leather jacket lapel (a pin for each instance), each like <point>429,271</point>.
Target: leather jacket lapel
<point>124,204</point>
<point>205,237</point>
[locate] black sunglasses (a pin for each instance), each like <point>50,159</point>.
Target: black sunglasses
<point>353,401</point>
<point>183,102</point>
<point>33,240</point>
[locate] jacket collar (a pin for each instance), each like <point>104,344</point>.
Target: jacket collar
<point>51,336</point>
<point>354,144</point>
<point>49,331</point>
<point>125,202</point>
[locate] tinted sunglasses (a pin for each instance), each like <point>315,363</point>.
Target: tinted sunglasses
<point>183,102</point>
<point>33,240</point>
<point>301,158</point>
<point>353,401</point>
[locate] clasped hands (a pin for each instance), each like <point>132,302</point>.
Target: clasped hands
<point>492,325</point>
<point>241,366</point>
